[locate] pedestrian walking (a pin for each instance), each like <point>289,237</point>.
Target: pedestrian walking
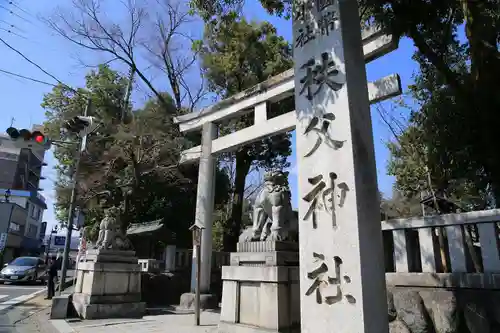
<point>55,264</point>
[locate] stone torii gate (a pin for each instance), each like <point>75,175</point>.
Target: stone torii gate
<point>330,55</point>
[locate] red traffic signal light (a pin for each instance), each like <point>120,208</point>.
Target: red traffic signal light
<point>38,137</point>
<point>27,135</point>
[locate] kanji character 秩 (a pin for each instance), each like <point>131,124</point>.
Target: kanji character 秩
<point>318,75</point>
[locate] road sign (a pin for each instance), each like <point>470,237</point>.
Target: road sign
<point>59,240</point>
<point>3,240</point>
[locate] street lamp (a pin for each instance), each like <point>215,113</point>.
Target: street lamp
<point>196,230</point>
<point>7,195</point>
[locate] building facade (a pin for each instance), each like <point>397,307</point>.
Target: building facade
<point>20,175</point>
<point>34,206</point>
<point>13,219</point>
<point>20,168</point>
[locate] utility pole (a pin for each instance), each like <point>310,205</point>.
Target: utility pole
<point>128,92</point>
<point>71,212</point>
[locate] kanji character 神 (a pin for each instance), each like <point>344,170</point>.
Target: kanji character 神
<point>321,279</point>
<point>326,195</point>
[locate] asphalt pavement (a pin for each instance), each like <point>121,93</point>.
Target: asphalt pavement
<point>19,302</point>
<point>13,294</point>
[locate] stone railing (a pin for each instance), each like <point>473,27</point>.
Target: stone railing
<point>470,243</point>
<point>412,244</point>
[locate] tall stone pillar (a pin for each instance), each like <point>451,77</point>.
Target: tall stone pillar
<point>204,217</point>
<point>342,281</point>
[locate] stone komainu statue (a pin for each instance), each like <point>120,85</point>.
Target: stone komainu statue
<point>273,217</point>
<point>111,235</point>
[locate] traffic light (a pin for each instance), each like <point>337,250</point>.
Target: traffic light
<point>27,136</point>
<point>81,125</point>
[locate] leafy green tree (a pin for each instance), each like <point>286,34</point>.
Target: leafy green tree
<point>416,171</point>
<point>400,206</point>
<point>458,83</point>
<point>236,55</point>
<point>132,165</point>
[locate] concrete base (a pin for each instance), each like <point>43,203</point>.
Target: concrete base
<point>260,290</point>
<point>207,301</point>
<point>60,304</point>
<point>108,285</point>
<point>106,311</point>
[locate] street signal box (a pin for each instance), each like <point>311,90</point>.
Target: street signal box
<point>24,138</point>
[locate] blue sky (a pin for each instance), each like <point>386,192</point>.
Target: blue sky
<point>21,98</point>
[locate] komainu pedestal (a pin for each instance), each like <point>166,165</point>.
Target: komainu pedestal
<point>260,290</point>
<point>108,285</point>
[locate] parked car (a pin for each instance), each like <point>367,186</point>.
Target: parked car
<point>24,269</point>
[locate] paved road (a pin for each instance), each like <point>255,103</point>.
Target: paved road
<point>11,294</point>
<point>18,303</point>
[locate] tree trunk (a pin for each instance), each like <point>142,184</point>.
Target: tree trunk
<point>233,225</point>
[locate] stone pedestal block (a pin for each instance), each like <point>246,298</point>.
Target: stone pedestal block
<point>108,285</point>
<point>260,291</point>
<point>207,301</point>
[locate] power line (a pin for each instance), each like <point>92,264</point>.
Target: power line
<point>24,11</point>
<point>27,78</point>
<point>12,32</point>
<point>11,77</point>
<point>15,14</point>
<point>36,65</point>
<point>12,25</point>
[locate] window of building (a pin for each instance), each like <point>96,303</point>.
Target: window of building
<point>32,231</point>
<point>14,227</point>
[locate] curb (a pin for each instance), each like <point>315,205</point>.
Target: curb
<point>67,284</point>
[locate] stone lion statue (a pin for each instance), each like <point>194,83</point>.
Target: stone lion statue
<point>111,235</point>
<point>86,235</point>
<point>273,217</point>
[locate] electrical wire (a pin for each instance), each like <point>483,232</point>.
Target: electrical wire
<point>12,25</point>
<point>15,14</point>
<point>24,11</point>
<point>37,66</point>
<point>13,33</point>
<point>12,77</point>
<point>26,78</point>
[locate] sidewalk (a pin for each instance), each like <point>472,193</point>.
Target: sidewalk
<point>178,323</point>
<point>36,320</point>
<point>32,316</point>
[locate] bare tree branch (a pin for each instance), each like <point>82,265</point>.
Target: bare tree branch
<point>88,27</point>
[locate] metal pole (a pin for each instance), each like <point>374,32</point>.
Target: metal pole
<point>71,212</point>
<point>198,281</point>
